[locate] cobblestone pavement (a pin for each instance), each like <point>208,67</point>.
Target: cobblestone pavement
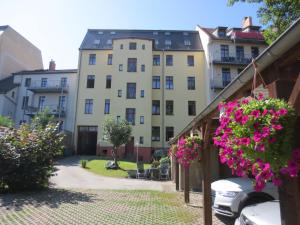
<point>60,206</point>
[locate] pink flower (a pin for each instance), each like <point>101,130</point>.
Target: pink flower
<point>260,96</point>
<point>282,112</point>
<point>277,126</point>
<point>255,113</point>
<point>257,136</point>
<point>245,101</point>
<point>265,112</point>
<point>238,115</point>
<point>245,119</point>
<point>265,132</point>
<point>244,141</point>
<point>260,148</point>
<point>277,181</point>
<point>272,140</point>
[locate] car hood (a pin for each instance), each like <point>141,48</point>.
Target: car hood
<point>232,184</point>
<point>267,213</point>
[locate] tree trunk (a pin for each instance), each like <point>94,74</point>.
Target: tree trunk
<point>114,155</point>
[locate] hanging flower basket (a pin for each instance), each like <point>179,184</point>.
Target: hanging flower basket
<point>255,138</point>
<point>188,149</point>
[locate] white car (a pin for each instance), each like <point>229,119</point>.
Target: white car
<point>267,213</point>
<point>230,196</point>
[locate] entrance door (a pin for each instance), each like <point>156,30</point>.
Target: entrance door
<point>87,140</point>
<point>129,147</point>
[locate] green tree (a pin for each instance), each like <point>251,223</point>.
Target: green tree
<point>43,118</point>
<point>117,133</point>
<point>276,15</point>
<point>6,121</point>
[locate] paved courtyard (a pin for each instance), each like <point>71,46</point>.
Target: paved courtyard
<point>58,206</point>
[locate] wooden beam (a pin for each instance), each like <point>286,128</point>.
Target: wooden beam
<point>186,185</point>
<point>294,99</point>
<point>207,212</point>
<point>177,175</point>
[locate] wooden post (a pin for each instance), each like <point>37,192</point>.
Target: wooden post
<point>186,185</point>
<point>177,175</point>
<point>207,212</point>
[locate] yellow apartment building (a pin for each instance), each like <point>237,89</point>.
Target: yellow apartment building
<point>152,78</point>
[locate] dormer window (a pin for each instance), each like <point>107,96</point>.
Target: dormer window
<point>156,42</point>
<point>96,42</point>
<point>109,42</point>
<point>185,33</point>
<point>167,33</point>
<point>168,42</point>
<point>112,32</point>
<point>222,33</point>
<point>155,33</point>
<point>187,42</point>
<point>100,32</point>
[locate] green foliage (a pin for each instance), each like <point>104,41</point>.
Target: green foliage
<point>6,121</point>
<point>42,118</point>
<point>27,157</point>
<point>155,164</point>
<point>277,15</point>
<point>83,163</point>
<point>165,160</point>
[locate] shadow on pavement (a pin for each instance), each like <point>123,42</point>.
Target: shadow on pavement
<point>50,197</point>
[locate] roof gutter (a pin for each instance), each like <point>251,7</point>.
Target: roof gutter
<point>282,44</point>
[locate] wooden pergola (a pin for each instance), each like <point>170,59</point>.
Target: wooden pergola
<point>279,66</point>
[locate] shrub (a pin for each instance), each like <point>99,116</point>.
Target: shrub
<point>165,160</point>
<point>155,164</point>
<point>27,157</point>
<point>5,121</point>
<point>83,163</point>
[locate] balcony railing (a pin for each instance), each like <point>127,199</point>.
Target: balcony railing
<point>241,60</point>
<point>54,110</point>
<point>219,84</point>
<point>50,86</point>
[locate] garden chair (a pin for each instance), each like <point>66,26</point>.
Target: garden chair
<point>140,173</point>
<point>164,172</point>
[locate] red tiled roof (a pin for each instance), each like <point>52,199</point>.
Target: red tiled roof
<point>249,35</point>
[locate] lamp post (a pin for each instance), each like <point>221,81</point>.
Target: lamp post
<point>137,152</point>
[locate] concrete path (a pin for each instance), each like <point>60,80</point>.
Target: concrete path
<point>71,175</point>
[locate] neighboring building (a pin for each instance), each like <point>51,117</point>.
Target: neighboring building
<point>228,51</point>
<point>152,78</point>
<point>17,53</point>
<point>52,89</point>
<point>8,97</point>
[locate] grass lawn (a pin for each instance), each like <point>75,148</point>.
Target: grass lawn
<point>98,166</point>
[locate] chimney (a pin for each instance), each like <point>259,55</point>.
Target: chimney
<point>52,65</point>
<point>247,21</point>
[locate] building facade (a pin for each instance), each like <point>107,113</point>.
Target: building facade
<point>153,79</point>
<point>51,89</point>
<point>17,53</point>
<point>228,51</point>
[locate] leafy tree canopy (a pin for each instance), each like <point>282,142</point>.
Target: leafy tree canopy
<point>276,15</point>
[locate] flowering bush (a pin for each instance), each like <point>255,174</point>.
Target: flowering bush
<point>188,149</point>
<point>255,137</point>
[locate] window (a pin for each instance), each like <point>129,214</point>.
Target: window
<point>226,77</point>
<point>168,43</point>
<point>121,46</point>
<point>169,82</point>
<point>192,108</point>
<point>120,67</point>
<point>156,42</point>
<point>191,83</point>
<point>155,107</point>
<point>119,93</point>
<point>130,115</point>
<point>132,46</point>
<point>109,42</point>
<point>90,82</point>
<point>155,133</point>
<point>141,140</point>
<point>156,82</point>
<point>142,93</point>
<point>109,59</point>
<point>13,94</point>
<point>27,82</point>
<point>88,109</point>
<point>156,60</point>
<point>25,102</point>
<point>118,119</point>
<point>108,81</point>
<point>143,47</point>
<point>44,82</point>
<point>63,82</point>
<point>131,64</point>
<point>61,102</point>
<point>169,107</point>
<point>142,120</point>
<point>167,33</point>
<point>169,60</point>
<point>155,33</point>
<point>107,106</point>
<point>169,133</point>
<point>92,59</point>
<point>224,52</point>
<point>41,105</point>
<point>239,52</point>
<point>254,52</point>
<point>190,60</point>
<point>131,90</point>
<point>143,68</point>
<point>187,42</point>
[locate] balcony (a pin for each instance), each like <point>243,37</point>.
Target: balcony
<point>231,60</point>
<point>50,86</point>
<point>54,110</point>
<point>219,84</point>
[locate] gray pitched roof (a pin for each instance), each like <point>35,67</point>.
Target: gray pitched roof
<point>3,27</point>
<point>38,72</point>
<point>7,84</point>
<point>177,38</point>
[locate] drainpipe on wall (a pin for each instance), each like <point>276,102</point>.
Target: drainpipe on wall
<point>163,100</point>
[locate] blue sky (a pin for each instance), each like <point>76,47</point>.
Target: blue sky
<point>57,27</point>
